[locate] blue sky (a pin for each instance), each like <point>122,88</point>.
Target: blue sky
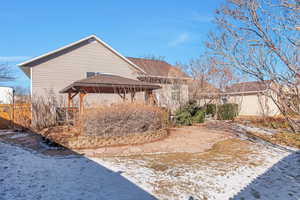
<point>173,29</point>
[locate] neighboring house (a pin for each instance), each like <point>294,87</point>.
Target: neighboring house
<point>251,98</point>
<point>202,91</point>
<point>53,71</point>
<point>174,82</point>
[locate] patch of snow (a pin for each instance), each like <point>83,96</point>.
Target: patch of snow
<point>25,175</point>
<point>18,135</point>
<point>255,129</point>
<point>6,132</point>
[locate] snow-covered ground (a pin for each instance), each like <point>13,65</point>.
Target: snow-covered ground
<point>265,173</point>
<point>25,175</point>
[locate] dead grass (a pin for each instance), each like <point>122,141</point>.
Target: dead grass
<point>232,152</point>
<point>282,138</point>
<point>267,122</point>
<point>158,167</point>
<point>284,135</point>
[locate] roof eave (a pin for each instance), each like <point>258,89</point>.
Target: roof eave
<point>23,64</point>
<point>166,77</point>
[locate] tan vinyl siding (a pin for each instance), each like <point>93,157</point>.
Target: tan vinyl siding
<point>59,72</point>
<point>165,96</point>
<point>255,105</point>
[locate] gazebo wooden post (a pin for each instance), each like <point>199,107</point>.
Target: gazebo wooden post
<point>124,97</point>
<point>132,96</point>
<point>124,93</point>
<point>69,101</point>
<point>149,96</point>
<point>81,103</point>
<point>70,104</point>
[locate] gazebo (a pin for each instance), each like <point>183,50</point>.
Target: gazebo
<point>107,84</point>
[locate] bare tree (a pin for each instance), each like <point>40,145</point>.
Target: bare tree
<point>154,57</point>
<point>210,78</point>
<point>261,38</point>
<point>21,91</point>
<point>199,69</point>
<point>5,73</point>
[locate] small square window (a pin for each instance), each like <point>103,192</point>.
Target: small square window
<point>90,74</point>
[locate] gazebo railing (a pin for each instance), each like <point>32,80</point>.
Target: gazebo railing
<point>65,115</point>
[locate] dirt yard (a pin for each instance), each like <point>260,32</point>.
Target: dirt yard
<point>193,139</point>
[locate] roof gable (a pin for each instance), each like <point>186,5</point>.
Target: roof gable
<point>107,83</point>
<point>158,68</point>
<point>253,86</point>
<point>42,58</point>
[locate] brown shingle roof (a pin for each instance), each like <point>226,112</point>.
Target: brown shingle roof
<point>252,86</point>
<point>106,83</point>
<point>158,67</point>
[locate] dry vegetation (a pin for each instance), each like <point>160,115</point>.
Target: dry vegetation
<point>73,138</point>
<point>284,135</point>
<point>118,124</point>
<point>115,125</point>
<point>265,122</point>
<point>230,152</point>
<point>44,111</point>
<point>282,138</point>
<point>123,119</point>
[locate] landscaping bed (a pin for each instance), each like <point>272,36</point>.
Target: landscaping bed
<point>113,125</point>
<point>71,137</point>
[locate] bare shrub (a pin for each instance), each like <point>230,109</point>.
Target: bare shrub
<point>123,119</point>
<point>44,110</point>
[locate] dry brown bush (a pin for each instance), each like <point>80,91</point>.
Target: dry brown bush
<point>44,110</point>
<point>123,119</point>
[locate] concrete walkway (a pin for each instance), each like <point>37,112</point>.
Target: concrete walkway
<point>192,139</point>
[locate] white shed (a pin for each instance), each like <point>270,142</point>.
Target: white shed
<point>6,95</point>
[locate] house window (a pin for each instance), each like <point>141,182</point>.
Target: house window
<point>224,100</point>
<point>175,93</point>
<point>90,74</point>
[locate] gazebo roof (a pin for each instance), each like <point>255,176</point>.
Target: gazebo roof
<point>107,83</point>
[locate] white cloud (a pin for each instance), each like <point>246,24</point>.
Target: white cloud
<point>182,38</point>
<point>13,58</point>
